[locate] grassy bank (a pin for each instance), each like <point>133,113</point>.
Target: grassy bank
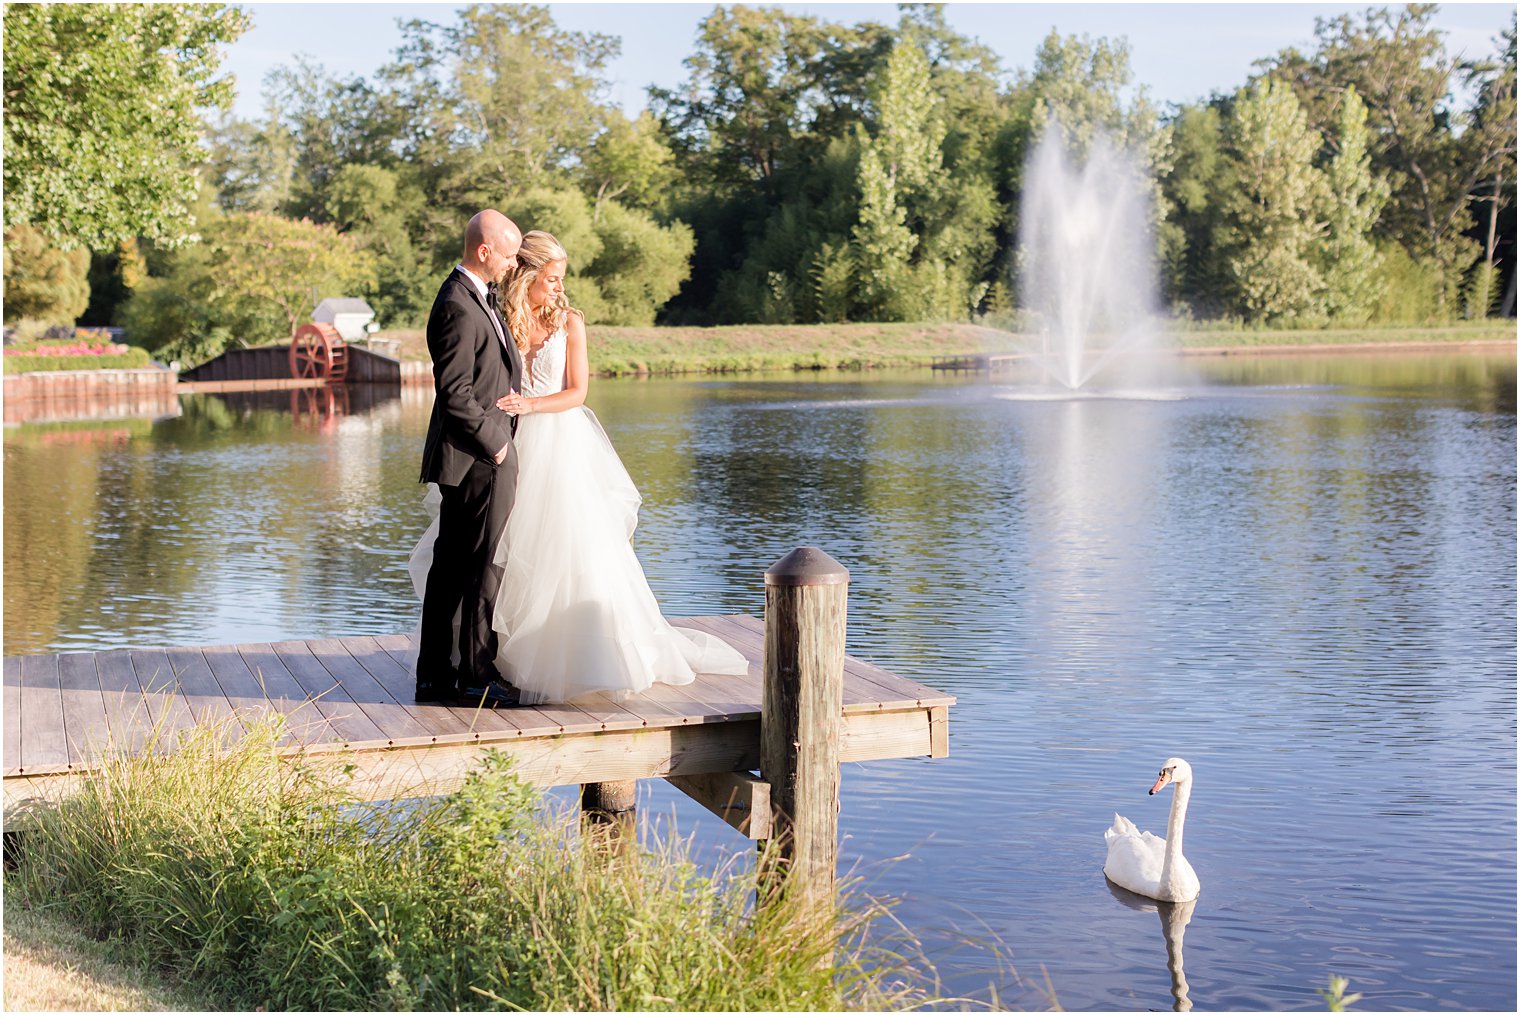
<point>256,880</point>
<point>52,966</point>
<point>616,351</point>
<point>1247,339</point>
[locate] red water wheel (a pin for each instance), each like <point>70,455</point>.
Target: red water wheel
<point>318,353</point>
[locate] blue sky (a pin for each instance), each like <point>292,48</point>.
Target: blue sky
<point>1180,52</point>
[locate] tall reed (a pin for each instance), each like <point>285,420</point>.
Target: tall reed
<point>261,877</point>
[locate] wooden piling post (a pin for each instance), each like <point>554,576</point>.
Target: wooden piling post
<point>610,809</point>
<point>802,703</point>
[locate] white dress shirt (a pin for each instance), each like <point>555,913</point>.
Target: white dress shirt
<point>480,287</point>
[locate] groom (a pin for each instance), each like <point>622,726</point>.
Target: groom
<point>470,455</point>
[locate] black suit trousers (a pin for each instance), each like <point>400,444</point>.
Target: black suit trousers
<point>463,579</point>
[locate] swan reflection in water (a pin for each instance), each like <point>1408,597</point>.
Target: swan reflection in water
<point>1174,920</point>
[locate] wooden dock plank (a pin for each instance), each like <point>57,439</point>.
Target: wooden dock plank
<point>84,710</point>
<point>199,685</point>
<point>483,723</point>
<point>313,719</point>
<point>345,720</point>
<point>536,720</point>
<point>734,696</point>
<point>248,691</point>
<point>883,689</point>
<point>751,639</point>
<point>283,691</point>
<point>167,704</point>
<point>725,697</point>
<point>443,724</point>
<point>127,709</point>
<point>555,719</point>
<point>665,705</point>
<point>44,744</point>
<point>610,714</point>
<point>12,703</point>
<point>241,688</point>
<point>398,725</point>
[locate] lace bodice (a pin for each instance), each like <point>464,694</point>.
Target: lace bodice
<point>545,373</point>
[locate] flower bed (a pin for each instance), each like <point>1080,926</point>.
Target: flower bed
<point>85,351</point>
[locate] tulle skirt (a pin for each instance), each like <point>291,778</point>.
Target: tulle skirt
<point>575,615</point>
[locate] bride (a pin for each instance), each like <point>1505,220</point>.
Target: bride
<point>575,615</point>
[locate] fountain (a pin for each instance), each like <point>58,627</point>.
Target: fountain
<point>1089,267</point>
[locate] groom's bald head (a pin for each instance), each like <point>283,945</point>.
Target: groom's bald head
<point>491,241</point>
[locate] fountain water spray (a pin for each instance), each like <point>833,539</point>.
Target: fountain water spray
<point>1089,265</point>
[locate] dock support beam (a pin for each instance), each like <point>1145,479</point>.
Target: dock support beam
<point>802,704</point>
<point>611,808</point>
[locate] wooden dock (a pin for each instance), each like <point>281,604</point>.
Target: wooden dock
<point>976,361</point>
<point>354,695</point>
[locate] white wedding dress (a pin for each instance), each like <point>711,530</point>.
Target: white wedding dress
<point>575,614</point>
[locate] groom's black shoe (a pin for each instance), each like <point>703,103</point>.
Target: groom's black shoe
<point>442,694</point>
<point>488,694</point>
<point>437,686</point>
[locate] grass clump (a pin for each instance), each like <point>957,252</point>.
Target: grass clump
<point>259,878</point>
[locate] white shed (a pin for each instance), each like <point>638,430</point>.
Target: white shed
<point>346,313</point>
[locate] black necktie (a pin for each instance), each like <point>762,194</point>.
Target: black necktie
<point>491,297</point>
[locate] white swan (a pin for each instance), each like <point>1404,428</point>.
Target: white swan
<point>1145,864</point>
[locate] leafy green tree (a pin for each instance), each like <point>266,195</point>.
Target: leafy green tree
<point>113,276</point>
<point>746,111</point>
<point>882,244</point>
<point>42,281</point>
<point>909,130</point>
<point>630,162</point>
<point>1197,275</point>
<point>180,317</point>
<point>1354,198</point>
<point>830,271</point>
<point>500,101</point>
<point>102,115</point>
<point>949,212</point>
<point>291,264</point>
<point>898,163</point>
<point>1437,156</point>
<point>252,165</point>
<point>623,265</point>
<point>373,206</point>
<point>252,280</point>
<point>1271,226</point>
<point>1079,83</point>
<point>316,125</point>
<point>781,242</point>
<point>641,265</point>
<point>1495,108</point>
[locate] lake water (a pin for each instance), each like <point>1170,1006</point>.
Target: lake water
<point>1298,574</point>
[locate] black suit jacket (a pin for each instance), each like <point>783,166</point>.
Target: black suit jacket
<point>471,370</point>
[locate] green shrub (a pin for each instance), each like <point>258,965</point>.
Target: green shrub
<point>262,878</point>
<point>42,280</point>
<point>1409,291</point>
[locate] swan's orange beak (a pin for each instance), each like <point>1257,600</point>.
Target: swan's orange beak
<point>1161,780</point>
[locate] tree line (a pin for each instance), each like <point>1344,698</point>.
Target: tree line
<point>804,171</point>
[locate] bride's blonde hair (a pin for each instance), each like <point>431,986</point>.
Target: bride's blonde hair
<point>538,249</point>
